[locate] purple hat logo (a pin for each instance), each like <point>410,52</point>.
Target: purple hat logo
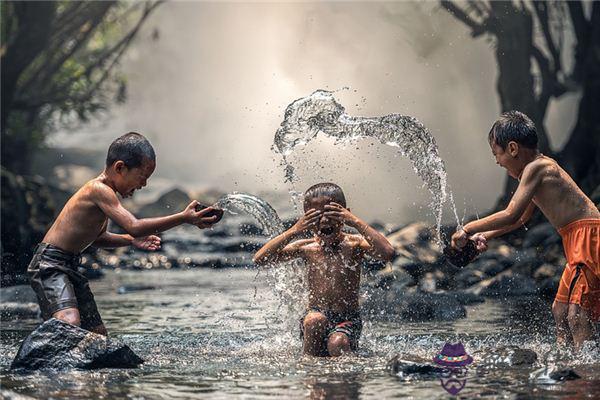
<point>453,355</point>
<point>455,359</point>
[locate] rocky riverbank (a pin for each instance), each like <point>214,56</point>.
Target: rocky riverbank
<point>418,285</point>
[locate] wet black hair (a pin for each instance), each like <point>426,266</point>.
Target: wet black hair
<point>131,148</point>
<point>325,189</point>
<point>514,126</point>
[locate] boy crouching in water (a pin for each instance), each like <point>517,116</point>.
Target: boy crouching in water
<point>62,291</point>
<point>332,324</point>
<point>543,183</point>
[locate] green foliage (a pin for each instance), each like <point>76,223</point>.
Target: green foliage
<point>60,64</point>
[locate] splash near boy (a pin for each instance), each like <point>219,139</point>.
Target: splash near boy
<point>332,324</point>
<point>62,291</point>
<point>543,183</point>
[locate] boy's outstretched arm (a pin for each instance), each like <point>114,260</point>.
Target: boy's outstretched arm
<point>522,221</point>
<point>279,248</point>
<point>374,243</point>
<point>113,240</point>
<point>501,221</point>
<point>107,200</point>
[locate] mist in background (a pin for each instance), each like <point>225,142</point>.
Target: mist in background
<point>208,85</point>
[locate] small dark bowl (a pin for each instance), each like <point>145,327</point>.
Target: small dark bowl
<point>462,257</point>
<point>214,212</point>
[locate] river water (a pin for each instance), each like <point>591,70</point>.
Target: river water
<point>208,333</point>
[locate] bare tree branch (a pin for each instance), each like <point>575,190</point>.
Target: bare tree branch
<point>541,10</point>
<point>477,29</point>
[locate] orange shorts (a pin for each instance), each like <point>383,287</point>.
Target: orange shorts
<point>580,281</point>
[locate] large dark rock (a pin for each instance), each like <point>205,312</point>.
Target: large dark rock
<point>505,284</point>
<point>420,306</point>
<point>403,369</point>
<point>58,345</point>
<point>28,209</point>
<point>539,234</point>
<point>11,311</point>
<point>566,374</point>
<point>507,356</point>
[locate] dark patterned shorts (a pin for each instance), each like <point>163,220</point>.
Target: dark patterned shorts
<point>350,324</point>
<point>58,284</point>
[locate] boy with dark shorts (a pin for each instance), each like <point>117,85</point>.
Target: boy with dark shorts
<point>332,323</point>
<point>62,291</point>
<point>543,183</point>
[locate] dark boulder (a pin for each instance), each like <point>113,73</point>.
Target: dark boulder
<point>508,356</point>
<point>505,284</point>
<point>566,374</point>
<point>420,306</point>
<point>403,369</point>
<point>11,311</point>
<point>537,235</point>
<point>58,345</point>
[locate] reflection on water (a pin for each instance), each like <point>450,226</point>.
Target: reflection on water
<point>205,333</point>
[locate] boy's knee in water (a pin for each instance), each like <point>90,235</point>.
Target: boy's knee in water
<point>338,344</point>
<point>69,315</point>
<point>314,321</point>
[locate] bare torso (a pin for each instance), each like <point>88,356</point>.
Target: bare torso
<point>559,197</point>
<point>79,223</point>
<point>333,274</point>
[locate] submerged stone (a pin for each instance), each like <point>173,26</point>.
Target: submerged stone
<point>429,307</point>
<point>58,345</point>
<point>566,374</point>
<point>403,368</point>
<point>509,356</point>
<point>11,311</point>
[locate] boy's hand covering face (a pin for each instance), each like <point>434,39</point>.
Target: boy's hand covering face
<point>199,218</point>
<point>150,242</point>
<point>309,220</point>
<point>338,213</point>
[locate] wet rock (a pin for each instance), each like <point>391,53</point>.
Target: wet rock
<point>27,211</point>
<point>490,267</point>
<point>548,287</point>
<point>11,311</point>
<point>466,298</point>
<point>415,243</point>
<point>566,374</point>
<point>58,345</point>
<point>134,288</point>
<point>508,356</point>
<point>505,284</point>
<point>17,294</point>
<point>539,234</point>
<point>468,277</point>
<point>10,395</point>
<point>403,368</point>
<point>428,307</point>
<point>526,262</point>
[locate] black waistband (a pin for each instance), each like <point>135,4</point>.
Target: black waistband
<point>54,253</point>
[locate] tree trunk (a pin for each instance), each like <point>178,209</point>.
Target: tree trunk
<point>581,155</point>
<point>513,28</point>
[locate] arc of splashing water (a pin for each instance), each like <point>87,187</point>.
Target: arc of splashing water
<point>284,278</point>
<point>306,117</point>
<point>256,207</point>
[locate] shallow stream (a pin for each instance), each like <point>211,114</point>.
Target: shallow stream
<point>218,334</point>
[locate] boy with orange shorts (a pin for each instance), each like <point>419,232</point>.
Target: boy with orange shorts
<point>543,183</point>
